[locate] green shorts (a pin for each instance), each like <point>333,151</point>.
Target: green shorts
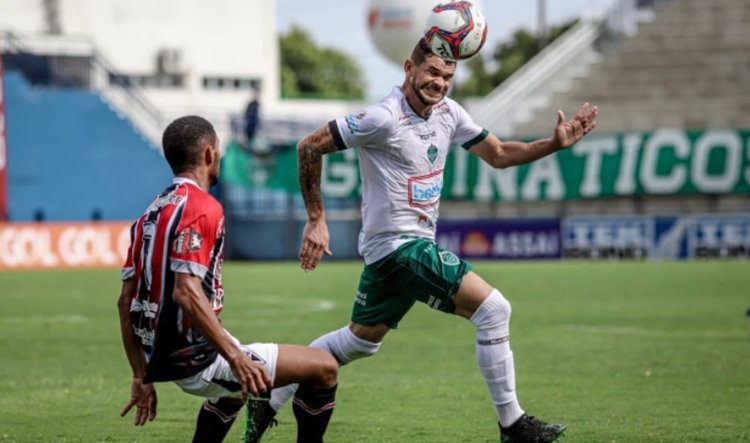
<point>417,271</point>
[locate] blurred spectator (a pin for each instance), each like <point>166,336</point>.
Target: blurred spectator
<point>252,118</point>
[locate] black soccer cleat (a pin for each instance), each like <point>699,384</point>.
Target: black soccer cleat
<point>528,429</point>
<point>260,415</point>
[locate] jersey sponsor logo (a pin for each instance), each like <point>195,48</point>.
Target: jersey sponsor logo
<point>352,124</point>
<point>187,241</point>
<point>146,336</point>
<point>361,298</point>
<point>432,153</point>
<point>169,199</point>
<point>220,228</point>
<point>149,309</point>
<point>405,120</point>
<point>441,108</point>
<point>448,258</point>
<point>425,222</point>
<point>424,190</point>
<point>428,136</point>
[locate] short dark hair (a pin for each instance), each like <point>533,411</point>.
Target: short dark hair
<point>183,139</point>
<point>422,52</point>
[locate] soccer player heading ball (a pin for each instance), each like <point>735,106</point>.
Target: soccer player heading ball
<point>402,144</point>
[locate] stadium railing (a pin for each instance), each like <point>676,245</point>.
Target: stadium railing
<point>553,69</point>
<point>77,63</point>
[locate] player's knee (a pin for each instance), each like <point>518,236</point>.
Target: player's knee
<point>493,313</point>
<point>504,310</point>
<point>327,370</point>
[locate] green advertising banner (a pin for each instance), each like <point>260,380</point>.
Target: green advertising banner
<point>662,162</point>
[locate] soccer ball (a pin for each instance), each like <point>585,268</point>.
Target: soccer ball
<point>455,31</point>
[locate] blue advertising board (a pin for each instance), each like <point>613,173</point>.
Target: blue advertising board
<point>606,237</point>
<point>656,237</point>
<point>501,239</point>
<point>714,236</point>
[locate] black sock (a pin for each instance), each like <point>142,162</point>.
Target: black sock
<point>215,420</point>
<point>313,409</point>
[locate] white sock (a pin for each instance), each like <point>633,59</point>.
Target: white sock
<point>495,357</point>
<point>345,348</point>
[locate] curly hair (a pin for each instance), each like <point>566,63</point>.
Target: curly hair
<point>183,139</point>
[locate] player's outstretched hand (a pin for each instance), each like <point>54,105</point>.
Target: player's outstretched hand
<point>568,133</point>
<point>315,239</point>
<point>143,397</point>
<point>252,376</point>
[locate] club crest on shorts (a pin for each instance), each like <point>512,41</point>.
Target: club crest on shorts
<point>448,258</point>
<point>254,357</point>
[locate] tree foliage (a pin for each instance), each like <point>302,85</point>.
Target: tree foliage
<point>311,71</point>
<point>508,57</point>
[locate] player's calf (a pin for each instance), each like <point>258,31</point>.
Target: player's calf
<point>215,419</point>
<point>313,408</point>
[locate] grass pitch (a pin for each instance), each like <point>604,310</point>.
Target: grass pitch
<point>620,352</point>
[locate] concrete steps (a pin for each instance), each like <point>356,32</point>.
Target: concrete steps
<point>688,68</point>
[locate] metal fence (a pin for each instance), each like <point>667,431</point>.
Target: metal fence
<point>264,224</point>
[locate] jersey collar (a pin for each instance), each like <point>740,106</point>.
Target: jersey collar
<point>183,180</point>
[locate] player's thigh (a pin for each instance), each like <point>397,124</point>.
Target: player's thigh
<point>377,306</point>
<point>218,380</point>
<point>303,364</point>
<point>471,294</point>
<point>429,274</point>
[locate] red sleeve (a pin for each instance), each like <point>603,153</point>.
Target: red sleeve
<point>193,245</point>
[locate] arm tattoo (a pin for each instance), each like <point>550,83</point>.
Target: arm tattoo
<point>310,159</point>
<point>310,170</point>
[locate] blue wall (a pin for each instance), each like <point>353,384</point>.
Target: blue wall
<point>69,155</point>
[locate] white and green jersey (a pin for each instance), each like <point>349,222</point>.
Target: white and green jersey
<point>401,162</point>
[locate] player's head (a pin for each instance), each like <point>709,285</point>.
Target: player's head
<point>427,75</point>
<point>190,145</point>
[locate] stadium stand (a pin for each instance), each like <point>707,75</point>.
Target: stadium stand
<point>73,157</point>
<point>685,67</point>
<point>689,68</point>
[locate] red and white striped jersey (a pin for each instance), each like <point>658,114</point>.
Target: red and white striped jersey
<point>182,231</point>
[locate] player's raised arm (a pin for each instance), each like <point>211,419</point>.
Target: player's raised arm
<point>504,154</point>
<point>310,151</point>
